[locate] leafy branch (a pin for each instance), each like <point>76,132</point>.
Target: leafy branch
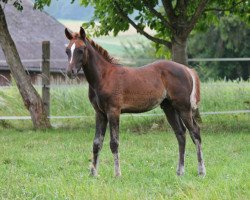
<point>225,9</point>
<point>123,15</point>
<point>157,14</point>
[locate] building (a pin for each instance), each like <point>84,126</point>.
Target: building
<point>29,29</point>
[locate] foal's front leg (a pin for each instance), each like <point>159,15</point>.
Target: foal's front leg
<point>113,118</point>
<point>101,125</point>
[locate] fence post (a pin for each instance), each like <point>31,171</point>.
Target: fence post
<point>46,76</point>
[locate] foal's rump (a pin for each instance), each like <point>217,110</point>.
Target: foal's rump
<point>182,83</point>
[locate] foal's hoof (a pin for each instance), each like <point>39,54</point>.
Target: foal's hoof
<point>202,171</point>
<point>118,174</point>
<point>93,172</point>
<point>180,171</point>
<point>202,174</point>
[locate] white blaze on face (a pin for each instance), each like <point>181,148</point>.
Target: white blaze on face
<point>72,49</point>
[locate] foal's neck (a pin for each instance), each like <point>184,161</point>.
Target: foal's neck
<point>95,67</point>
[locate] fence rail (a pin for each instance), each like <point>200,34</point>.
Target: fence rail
<point>217,59</point>
<point>124,115</point>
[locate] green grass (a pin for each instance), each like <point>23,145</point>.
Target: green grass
<point>55,165</point>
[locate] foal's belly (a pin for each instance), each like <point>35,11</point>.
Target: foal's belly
<point>136,101</point>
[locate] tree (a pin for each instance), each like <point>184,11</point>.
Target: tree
<point>173,20</point>
<point>30,96</point>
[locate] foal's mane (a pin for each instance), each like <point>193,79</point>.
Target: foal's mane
<point>103,52</point>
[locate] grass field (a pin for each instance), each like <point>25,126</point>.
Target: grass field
<point>54,164</point>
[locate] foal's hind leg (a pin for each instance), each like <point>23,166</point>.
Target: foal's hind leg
<point>179,129</point>
<point>194,130</point>
<point>101,125</point>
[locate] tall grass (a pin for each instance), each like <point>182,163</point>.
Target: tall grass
<point>73,100</point>
<point>223,96</point>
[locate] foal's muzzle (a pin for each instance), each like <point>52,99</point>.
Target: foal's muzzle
<point>72,73</point>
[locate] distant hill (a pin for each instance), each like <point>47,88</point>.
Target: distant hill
<point>65,10</point>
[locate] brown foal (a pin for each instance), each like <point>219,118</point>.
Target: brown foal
<point>114,89</point>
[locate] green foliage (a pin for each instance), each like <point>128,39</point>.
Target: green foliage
<point>111,19</point>
<point>16,3</point>
<point>227,40</point>
<point>40,4</point>
<point>162,51</point>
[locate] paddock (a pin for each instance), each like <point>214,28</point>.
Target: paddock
<point>55,163</point>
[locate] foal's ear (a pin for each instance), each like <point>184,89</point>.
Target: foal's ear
<point>68,34</point>
<point>82,33</point>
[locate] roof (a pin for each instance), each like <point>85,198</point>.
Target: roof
<point>28,29</point>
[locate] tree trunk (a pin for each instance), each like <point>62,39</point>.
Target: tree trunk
<point>31,98</point>
<point>179,50</point>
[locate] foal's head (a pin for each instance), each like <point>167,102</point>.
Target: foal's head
<point>76,51</point>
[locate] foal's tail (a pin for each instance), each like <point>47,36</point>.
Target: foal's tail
<point>195,94</point>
